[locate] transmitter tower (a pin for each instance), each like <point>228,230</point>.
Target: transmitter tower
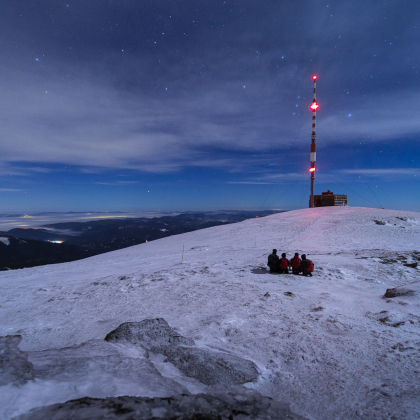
<point>314,107</point>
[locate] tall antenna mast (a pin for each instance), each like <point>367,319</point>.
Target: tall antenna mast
<point>314,107</point>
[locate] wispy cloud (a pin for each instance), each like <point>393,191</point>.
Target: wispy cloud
<point>98,126</point>
<point>272,179</point>
<point>384,173</point>
<point>182,102</point>
<point>249,182</point>
<point>117,183</point>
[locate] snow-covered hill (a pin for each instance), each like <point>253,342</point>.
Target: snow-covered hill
<point>330,344</point>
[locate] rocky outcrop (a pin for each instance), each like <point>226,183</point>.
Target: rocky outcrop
<point>210,367</point>
<point>14,365</point>
<point>103,369</point>
<point>207,366</point>
<point>237,403</point>
<point>395,292</point>
<point>151,334</point>
<point>126,362</point>
<point>410,289</point>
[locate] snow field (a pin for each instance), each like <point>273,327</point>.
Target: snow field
<point>6,241</point>
<point>330,344</point>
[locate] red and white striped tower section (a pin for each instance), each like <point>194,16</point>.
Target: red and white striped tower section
<point>314,107</point>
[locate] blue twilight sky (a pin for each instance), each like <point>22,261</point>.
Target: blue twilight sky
<point>203,104</point>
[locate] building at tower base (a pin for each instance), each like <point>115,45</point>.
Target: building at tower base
<point>330,199</point>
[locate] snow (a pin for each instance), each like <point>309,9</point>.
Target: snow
<point>6,241</point>
<point>330,344</point>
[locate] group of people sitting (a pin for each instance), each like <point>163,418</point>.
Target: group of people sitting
<point>282,265</point>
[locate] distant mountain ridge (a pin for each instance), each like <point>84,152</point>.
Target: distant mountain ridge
<point>85,239</point>
<point>18,253</point>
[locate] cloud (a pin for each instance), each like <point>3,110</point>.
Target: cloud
<point>10,190</point>
<point>273,179</point>
<point>89,125</point>
<point>10,169</point>
<point>237,85</point>
<point>394,173</point>
<point>381,117</point>
<point>117,183</point>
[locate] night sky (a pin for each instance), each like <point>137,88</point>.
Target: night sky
<point>202,105</point>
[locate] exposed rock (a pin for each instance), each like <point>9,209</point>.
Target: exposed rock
<point>210,367</point>
<point>317,309</point>
<point>207,366</point>
<point>14,365</point>
<point>411,265</point>
<point>236,404</point>
<point>104,370</point>
<point>151,334</point>
<point>409,289</point>
<point>398,291</point>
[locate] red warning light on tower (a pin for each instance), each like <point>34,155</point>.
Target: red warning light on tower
<point>314,106</point>
<point>313,77</point>
<point>312,170</point>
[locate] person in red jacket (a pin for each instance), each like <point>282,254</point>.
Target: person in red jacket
<point>284,264</point>
<point>306,266</point>
<point>295,264</point>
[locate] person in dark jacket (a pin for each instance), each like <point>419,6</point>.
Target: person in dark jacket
<point>304,266</point>
<point>295,264</point>
<point>273,262</point>
<point>284,264</point>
